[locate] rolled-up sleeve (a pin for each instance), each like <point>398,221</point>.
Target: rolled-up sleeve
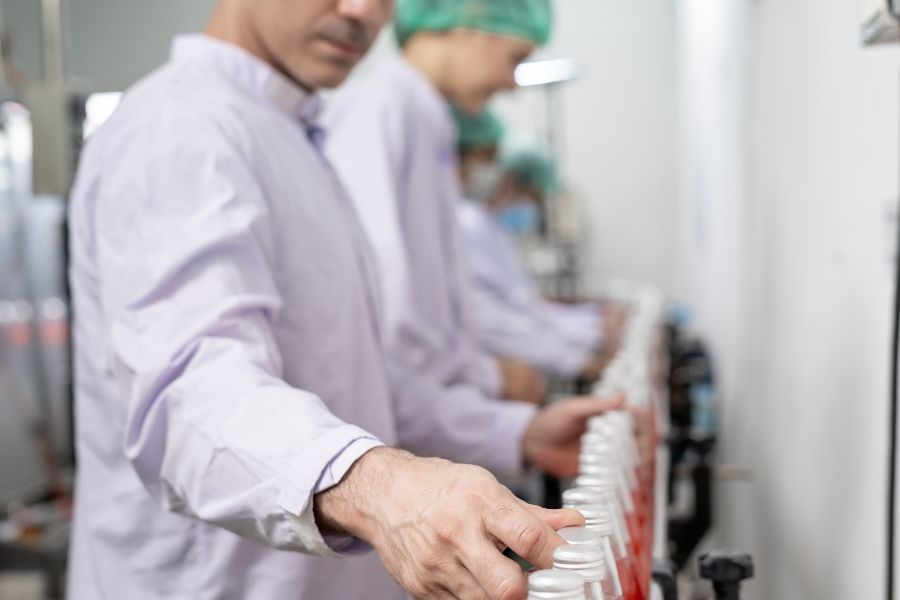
<point>579,323</point>
<point>187,257</point>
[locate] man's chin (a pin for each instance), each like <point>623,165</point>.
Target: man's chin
<point>331,76</point>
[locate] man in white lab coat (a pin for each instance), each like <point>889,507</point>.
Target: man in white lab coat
<point>232,400</point>
<point>504,190</point>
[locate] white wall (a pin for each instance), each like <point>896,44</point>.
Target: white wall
<point>785,248</point>
<point>115,42</point>
<point>618,132</point>
<point>22,21</point>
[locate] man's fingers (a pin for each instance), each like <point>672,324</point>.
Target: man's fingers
<point>464,584</point>
<point>495,575</point>
<point>452,581</point>
<point>556,519</point>
<point>521,531</point>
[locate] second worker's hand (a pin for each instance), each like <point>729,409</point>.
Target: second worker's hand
<point>522,382</point>
<point>552,440</point>
<point>440,528</point>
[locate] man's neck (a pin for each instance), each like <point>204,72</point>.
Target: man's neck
<point>227,25</point>
<point>428,53</point>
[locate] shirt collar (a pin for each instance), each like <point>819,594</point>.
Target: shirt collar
<point>250,73</point>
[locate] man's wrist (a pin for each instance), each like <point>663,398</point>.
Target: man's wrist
<point>347,507</point>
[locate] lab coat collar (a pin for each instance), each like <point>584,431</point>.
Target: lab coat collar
<point>250,73</point>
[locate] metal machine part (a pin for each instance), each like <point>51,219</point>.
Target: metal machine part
<point>726,570</point>
<point>664,577</point>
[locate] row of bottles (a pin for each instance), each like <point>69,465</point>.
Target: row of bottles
<point>580,572</point>
<point>610,558</point>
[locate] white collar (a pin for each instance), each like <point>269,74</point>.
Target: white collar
<point>250,73</point>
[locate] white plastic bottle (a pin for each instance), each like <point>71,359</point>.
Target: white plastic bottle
<point>577,496</point>
<point>607,439</point>
<point>598,491</point>
<point>605,460</point>
<point>598,518</point>
<point>555,584</point>
<point>589,561</point>
<point>600,470</point>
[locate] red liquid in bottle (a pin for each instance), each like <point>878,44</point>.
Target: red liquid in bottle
<point>630,588</point>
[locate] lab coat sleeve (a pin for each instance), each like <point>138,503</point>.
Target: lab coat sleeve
<point>459,423</point>
<point>524,330</point>
<point>580,323</point>
<point>186,255</point>
<point>517,333</point>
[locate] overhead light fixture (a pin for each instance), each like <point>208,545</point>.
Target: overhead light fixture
<point>546,72</point>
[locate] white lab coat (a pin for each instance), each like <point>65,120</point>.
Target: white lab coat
<point>228,364</point>
<point>513,319</point>
<point>391,138</point>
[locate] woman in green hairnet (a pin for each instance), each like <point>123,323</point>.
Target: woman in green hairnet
<point>392,140</point>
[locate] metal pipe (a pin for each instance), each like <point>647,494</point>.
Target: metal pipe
<point>52,38</point>
<point>4,79</point>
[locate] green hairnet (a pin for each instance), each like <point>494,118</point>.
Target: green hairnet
<point>533,168</point>
<point>526,19</point>
<point>484,129</point>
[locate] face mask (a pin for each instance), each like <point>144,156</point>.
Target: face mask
<point>484,181</point>
<point>521,217</point>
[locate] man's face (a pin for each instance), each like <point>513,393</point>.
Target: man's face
<point>315,42</point>
<point>481,65</point>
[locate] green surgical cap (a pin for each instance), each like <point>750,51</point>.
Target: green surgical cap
<point>533,168</point>
<point>482,130</point>
<point>526,19</point>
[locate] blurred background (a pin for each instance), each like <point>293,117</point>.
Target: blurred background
<point>740,155</point>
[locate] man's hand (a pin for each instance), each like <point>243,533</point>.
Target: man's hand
<point>521,382</point>
<point>553,439</point>
<point>440,528</point>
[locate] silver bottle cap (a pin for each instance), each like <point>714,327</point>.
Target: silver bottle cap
<point>597,517</point>
<point>583,495</point>
<point>555,584</point>
<point>572,557</point>
<point>606,484</point>
<point>598,467</point>
<point>580,535</point>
